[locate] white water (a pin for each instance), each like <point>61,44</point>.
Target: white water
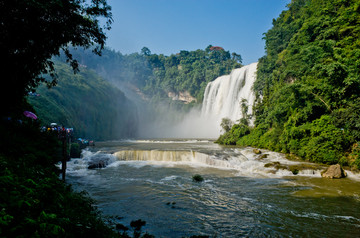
<point>242,161</point>
<point>239,197</point>
<point>222,99</point>
<point>223,96</point>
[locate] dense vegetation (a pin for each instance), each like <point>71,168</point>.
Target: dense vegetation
<point>86,102</point>
<point>156,75</point>
<point>189,70</point>
<point>309,84</point>
<point>34,31</point>
<point>33,201</point>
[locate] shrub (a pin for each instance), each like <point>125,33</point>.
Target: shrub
<point>75,150</point>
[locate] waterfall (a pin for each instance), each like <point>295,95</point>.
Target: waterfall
<point>223,96</point>
<point>222,99</point>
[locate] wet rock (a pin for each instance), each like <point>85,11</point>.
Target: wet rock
<point>275,165</point>
<point>257,151</point>
<point>295,169</point>
<point>97,164</point>
<point>334,172</point>
<point>197,178</point>
<point>263,156</point>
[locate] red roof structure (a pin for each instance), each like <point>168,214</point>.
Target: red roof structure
<point>216,48</point>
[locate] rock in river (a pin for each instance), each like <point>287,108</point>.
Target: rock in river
<point>257,151</point>
<point>334,171</point>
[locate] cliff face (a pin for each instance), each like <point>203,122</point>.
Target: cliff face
<point>184,97</point>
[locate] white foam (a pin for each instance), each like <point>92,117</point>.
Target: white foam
<point>352,175</point>
<point>172,177</point>
<point>172,141</point>
<point>242,160</point>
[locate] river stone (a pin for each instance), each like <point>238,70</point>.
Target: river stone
<point>257,151</point>
<point>263,156</point>
<point>334,172</point>
<point>97,164</point>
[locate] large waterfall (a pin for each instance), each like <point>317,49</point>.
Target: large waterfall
<point>223,96</point>
<point>222,99</point>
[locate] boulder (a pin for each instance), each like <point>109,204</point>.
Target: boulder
<point>257,151</point>
<point>263,156</point>
<point>334,172</point>
<point>97,165</point>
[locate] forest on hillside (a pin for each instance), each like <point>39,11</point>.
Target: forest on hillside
<point>93,103</point>
<point>308,85</point>
<point>87,103</point>
<point>157,75</point>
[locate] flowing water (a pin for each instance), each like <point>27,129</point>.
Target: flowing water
<point>223,96</point>
<point>152,181</point>
<point>222,99</point>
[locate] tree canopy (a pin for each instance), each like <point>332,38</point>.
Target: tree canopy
<point>157,75</point>
<point>32,32</point>
<point>309,83</point>
<point>92,106</point>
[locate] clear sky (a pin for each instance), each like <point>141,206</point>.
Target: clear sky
<point>168,26</point>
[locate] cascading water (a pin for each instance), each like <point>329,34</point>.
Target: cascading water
<point>223,96</point>
<point>222,99</point>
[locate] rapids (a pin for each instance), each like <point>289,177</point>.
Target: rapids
<point>152,181</point>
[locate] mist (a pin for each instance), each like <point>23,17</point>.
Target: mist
<point>222,99</point>
<point>162,117</point>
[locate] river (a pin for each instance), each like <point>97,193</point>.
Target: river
<point>152,180</point>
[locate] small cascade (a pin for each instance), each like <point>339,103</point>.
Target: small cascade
<point>154,155</point>
<point>223,96</point>
<point>245,162</point>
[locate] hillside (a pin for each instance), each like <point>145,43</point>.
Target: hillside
<point>86,102</point>
<point>308,85</point>
<point>160,76</point>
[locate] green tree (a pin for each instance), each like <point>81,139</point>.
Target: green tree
<point>308,83</point>
<point>236,57</point>
<point>145,51</point>
<point>32,32</point>
<point>226,124</point>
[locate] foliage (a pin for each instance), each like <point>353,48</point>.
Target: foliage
<point>189,70</point>
<point>75,151</point>
<point>308,83</point>
<point>231,137</point>
<point>157,75</point>
<point>87,103</point>
<point>34,31</point>
<point>34,202</point>
<point>226,124</point>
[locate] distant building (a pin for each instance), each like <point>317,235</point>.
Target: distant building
<point>218,48</point>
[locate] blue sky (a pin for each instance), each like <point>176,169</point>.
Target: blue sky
<point>168,26</point>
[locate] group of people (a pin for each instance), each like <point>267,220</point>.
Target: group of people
<point>86,142</point>
<point>68,132</point>
<point>55,127</point>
